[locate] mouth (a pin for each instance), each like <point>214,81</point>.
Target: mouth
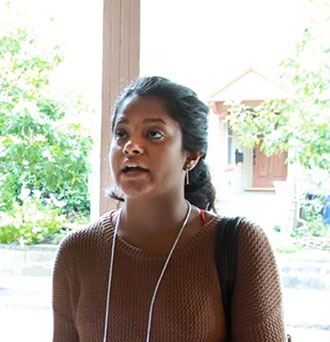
<point>133,169</point>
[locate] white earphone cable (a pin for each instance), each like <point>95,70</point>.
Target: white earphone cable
<point>107,310</point>
<point>163,271</point>
<point>106,319</point>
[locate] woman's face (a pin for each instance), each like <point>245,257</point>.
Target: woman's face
<point>146,153</point>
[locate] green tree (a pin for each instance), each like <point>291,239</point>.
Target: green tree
<point>40,149</point>
<point>300,123</point>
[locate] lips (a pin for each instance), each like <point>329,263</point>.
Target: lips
<point>129,168</point>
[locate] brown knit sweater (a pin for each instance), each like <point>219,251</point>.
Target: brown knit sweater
<point>188,305</point>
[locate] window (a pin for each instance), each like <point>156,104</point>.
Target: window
<point>230,153</point>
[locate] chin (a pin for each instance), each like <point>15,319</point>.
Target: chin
<point>135,192</point>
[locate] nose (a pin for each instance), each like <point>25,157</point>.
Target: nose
<point>132,147</point>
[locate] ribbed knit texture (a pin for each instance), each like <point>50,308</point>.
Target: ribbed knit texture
<point>188,306</point>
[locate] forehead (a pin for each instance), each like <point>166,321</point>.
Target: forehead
<point>143,106</point>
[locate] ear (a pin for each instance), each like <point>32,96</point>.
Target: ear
<point>192,159</point>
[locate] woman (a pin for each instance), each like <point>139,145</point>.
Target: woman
<point>147,272</point>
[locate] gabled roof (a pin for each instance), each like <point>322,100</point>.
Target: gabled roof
<point>249,86</point>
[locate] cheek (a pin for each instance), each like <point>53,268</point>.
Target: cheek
<point>114,158</point>
<point>174,162</point>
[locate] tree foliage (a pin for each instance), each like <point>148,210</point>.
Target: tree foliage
<point>300,123</point>
<point>40,149</point>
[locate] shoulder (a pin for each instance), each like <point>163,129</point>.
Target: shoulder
<point>248,230</point>
<point>257,277</point>
<point>251,236</point>
<point>80,238</point>
<point>253,240</point>
<point>257,299</point>
<point>255,257</point>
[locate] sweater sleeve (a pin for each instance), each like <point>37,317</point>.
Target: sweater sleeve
<point>64,328</point>
<point>257,298</point>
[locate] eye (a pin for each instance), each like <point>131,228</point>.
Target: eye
<point>120,134</point>
<point>155,134</point>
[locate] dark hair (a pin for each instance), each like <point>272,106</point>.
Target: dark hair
<point>184,106</point>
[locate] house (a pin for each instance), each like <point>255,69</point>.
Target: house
<point>247,181</point>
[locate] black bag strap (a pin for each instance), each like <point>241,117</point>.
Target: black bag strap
<point>226,256</point>
<point>226,253</point>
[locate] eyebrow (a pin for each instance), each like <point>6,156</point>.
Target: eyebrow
<point>148,120</point>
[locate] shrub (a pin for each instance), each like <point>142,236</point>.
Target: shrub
<point>312,216</point>
<point>32,220</point>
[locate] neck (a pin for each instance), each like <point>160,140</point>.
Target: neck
<point>153,225</point>
<point>153,214</point>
